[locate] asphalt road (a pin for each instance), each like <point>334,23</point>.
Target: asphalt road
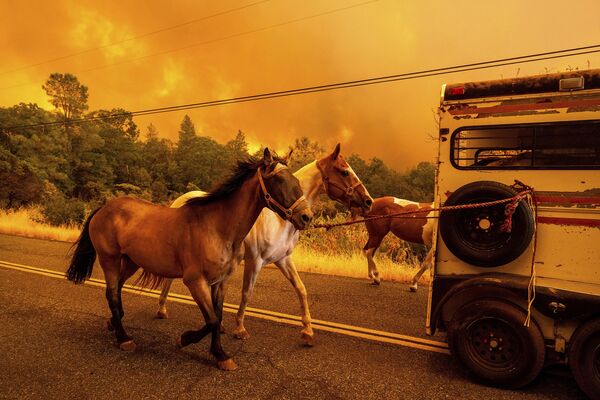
<point>53,343</point>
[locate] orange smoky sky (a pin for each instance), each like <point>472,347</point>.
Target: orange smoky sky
<point>265,46</point>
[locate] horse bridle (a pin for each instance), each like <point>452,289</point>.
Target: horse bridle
<point>288,212</point>
<point>348,190</point>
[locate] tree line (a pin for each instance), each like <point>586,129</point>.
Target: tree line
<point>72,167</point>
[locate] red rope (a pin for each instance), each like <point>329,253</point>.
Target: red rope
<point>509,210</point>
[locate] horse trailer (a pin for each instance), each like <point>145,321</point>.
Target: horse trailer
<point>516,286</point>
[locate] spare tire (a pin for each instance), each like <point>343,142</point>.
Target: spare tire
<point>474,235</point>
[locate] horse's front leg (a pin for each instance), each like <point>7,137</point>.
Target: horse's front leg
<point>218,297</point>
<point>252,266</point>
<point>201,292</point>
<point>287,267</point>
<point>369,250</point>
<point>425,265</point>
<point>162,300</point>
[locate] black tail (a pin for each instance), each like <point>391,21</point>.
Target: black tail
<point>84,256</point>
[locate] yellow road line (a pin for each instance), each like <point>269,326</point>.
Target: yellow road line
<point>343,329</point>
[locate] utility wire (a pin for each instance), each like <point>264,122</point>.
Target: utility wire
<point>335,86</point>
<point>196,44</point>
<point>143,35</point>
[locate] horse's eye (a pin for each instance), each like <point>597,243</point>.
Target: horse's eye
<point>345,173</point>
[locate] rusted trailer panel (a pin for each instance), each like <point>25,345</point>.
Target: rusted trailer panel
<point>538,285</point>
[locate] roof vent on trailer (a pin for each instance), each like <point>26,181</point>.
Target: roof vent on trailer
<point>568,84</point>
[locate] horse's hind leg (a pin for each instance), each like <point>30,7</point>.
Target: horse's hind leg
<point>128,268</point>
<point>369,250</point>
<point>425,265</point>
<point>112,271</point>
<point>162,300</point>
<point>201,293</point>
<point>287,267</point>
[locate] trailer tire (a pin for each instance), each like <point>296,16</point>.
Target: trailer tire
<point>584,357</point>
<point>473,235</point>
<point>489,338</point>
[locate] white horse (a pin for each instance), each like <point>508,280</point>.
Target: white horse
<point>272,239</point>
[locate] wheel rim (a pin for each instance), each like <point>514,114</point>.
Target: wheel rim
<point>493,344</point>
<point>479,228</point>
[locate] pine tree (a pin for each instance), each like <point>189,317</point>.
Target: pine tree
<point>67,95</point>
<point>185,155</point>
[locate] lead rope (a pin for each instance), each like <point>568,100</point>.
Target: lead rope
<point>532,201</point>
<point>532,280</point>
<point>516,198</point>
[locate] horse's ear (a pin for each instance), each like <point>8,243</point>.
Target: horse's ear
<point>267,157</point>
<point>289,156</point>
<point>336,152</point>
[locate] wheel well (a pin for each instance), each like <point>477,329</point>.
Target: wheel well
<point>479,292</point>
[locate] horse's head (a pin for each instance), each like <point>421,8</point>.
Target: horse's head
<point>281,191</point>
<point>342,184</point>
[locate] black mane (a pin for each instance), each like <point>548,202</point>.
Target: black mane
<point>243,170</point>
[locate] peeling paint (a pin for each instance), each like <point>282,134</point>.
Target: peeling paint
<point>518,114</point>
<point>583,109</point>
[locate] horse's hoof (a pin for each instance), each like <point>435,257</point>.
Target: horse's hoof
<point>413,288</point>
<point>162,314</point>
<point>109,325</point>
<point>376,282</point>
<point>227,365</point>
<point>241,334</point>
<point>127,346</point>
<point>308,339</point>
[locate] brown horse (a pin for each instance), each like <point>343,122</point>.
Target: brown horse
<point>414,228</point>
<point>272,240</point>
<point>199,242</point>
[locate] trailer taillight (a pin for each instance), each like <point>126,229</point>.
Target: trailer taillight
<point>457,90</point>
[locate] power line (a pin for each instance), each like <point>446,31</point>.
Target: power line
<point>143,35</point>
<point>336,86</point>
<point>277,25</point>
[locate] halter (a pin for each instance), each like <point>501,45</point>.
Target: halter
<point>288,212</point>
<point>348,190</point>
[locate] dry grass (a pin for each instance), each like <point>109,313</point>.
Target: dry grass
<point>27,222</point>
<point>354,265</point>
<point>335,252</point>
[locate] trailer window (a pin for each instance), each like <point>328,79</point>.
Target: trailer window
<point>571,145</point>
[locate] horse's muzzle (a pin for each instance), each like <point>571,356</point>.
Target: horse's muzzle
<point>301,220</point>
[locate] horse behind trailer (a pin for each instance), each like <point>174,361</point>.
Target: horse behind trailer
<point>413,228</point>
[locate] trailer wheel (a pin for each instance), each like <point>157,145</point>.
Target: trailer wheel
<point>474,235</point>
<point>489,338</point>
<point>584,357</point>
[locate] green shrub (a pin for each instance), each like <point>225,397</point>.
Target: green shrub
<point>59,211</point>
